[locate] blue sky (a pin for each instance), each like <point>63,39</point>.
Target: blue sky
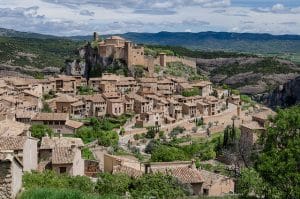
<point>82,17</point>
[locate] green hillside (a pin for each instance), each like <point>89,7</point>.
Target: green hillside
<point>39,53</point>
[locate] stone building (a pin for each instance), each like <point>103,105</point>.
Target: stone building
<point>24,148</point>
<point>63,103</point>
<point>10,176</point>
<point>189,109</point>
<point>95,105</point>
<point>205,88</point>
<point>62,154</point>
<point>115,107</point>
<point>216,184</point>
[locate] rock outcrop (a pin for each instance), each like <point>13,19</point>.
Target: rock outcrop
<point>286,95</point>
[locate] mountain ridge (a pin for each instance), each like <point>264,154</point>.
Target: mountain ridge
<point>263,43</point>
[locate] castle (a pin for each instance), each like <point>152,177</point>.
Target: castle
<point>117,48</point>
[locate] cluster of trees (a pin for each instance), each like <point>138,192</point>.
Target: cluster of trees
<point>40,130</point>
<point>267,65</point>
<point>181,51</point>
<point>276,172</point>
<point>167,151</point>
<point>107,186</point>
<point>42,52</point>
<point>99,130</point>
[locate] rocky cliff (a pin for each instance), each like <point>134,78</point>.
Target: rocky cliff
<point>250,75</point>
<point>286,95</point>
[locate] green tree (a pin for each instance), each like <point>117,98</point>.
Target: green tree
<point>278,163</point>
<point>108,138</point>
<point>158,186</point>
<point>151,132</point>
<point>113,184</point>
<point>226,136</point>
<point>250,182</point>
<point>164,153</point>
<point>40,130</point>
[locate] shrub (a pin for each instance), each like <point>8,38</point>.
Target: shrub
<point>113,184</point>
<point>87,154</point>
<point>165,153</point>
<point>50,179</point>
<point>40,130</point>
<point>158,186</point>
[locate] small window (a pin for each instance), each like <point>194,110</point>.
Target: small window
<point>62,169</point>
<point>205,192</point>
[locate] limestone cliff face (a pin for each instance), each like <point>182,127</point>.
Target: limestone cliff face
<point>286,95</point>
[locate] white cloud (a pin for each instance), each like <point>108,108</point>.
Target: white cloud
<point>69,17</point>
<point>279,8</point>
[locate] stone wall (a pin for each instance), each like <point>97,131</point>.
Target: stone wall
<point>5,180</point>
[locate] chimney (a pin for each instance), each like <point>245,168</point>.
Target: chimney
<point>193,164</point>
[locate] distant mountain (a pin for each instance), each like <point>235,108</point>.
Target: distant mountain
<point>208,41</point>
<point>212,41</point>
<point>13,33</point>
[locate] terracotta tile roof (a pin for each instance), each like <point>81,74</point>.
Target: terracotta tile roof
<point>51,117</point>
<point>29,92</point>
<point>50,143</point>
<point>127,170</point>
<point>12,143</point>
<point>79,103</point>
<point>140,98</point>
<point>65,78</point>
<point>211,178</point>
<point>12,128</point>
<point>148,80</point>
<point>186,175</point>
<point>116,38</point>
<point>74,124</point>
<point>65,98</point>
<point>186,85</point>
<point>63,155</point>
<point>189,104</point>
<point>202,84</point>
<point>119,100</point>
<point>94,98</point>
<point>165,81</point>
<point>25,114</point>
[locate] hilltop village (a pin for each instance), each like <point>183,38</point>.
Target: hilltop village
<point>123,124</point>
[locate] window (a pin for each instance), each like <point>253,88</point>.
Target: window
<point>205,192</point>
<point>62,169</point>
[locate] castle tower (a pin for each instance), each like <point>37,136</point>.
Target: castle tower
<point>128,53</point>
<point>162,59</point>
<point>96,36</point>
